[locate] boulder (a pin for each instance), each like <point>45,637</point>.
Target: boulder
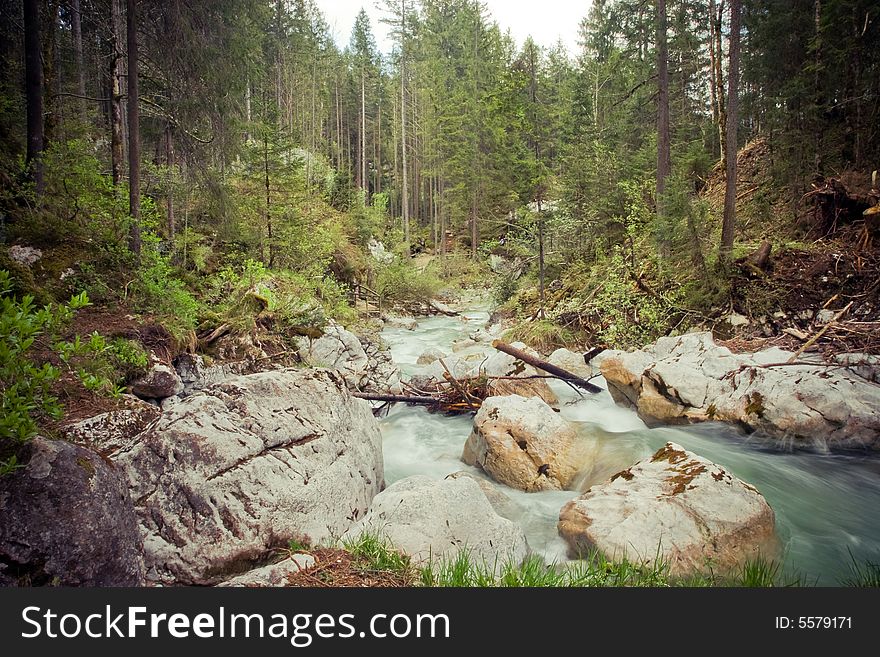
<point>237,347</point>
<point>572,362</point>
<point>159,382</point>
<point>232,472</point>
<point>275,574</point>
<point>382,375</point>
<point>677,507</point>
<point>109,432</point>
<point>407,323</point>
<point>522,443</point>
<point>691,379</point>
<point>500,364</point>
<point>363,361</point>
<point>434,520</point>
<point>430,355</point>
<point>66,519</point>
<point>503,504</point>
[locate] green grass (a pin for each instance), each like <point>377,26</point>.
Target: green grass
<point>593,569</point>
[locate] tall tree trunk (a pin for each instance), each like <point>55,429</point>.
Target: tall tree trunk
<point>269,235</point>
<point>664,158</point>
<point>540,259</point>
<point>134,133</point>
<point>475,231</point>
<point>713,95</point>
<point>818,100</point>
<point>116,141</point>
<point>169,198</point>
<point>76,27</point>
<point>404,203</point>
<point>719,77</point>
<point>34,91</point>
<point>729,223</point>
<point>363,144</point>
<point>379,149</point>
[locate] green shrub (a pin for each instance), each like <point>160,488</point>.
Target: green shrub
<point>399,282</point>
<point>26,395</point>
<point>103,366</point>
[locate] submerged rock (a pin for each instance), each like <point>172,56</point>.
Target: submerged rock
<point>430,355</point>
<point>677,507</point>
<point>524,444</point>
<point>394,321</point>
<point>230,473</point>
<point>66,519</point>
<point>435,520</point>
<point>691,379</point>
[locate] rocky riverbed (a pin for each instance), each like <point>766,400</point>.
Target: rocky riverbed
<point>211,474</point>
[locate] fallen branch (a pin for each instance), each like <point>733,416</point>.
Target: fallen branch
<point>818,335</point>
<point>455,384</point>
<point>405,399</point>
<point>558,372</point>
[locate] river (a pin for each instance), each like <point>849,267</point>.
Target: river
<point>827,505</point>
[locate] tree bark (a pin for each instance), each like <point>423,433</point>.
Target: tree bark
<point>664,158</point>
<point>404,191</point>
<point>76,28</point>
<point>34,92</point>
<point>134,132</point>
<point>729,222</point>
<point>116,141</point>
<point>719,77</point>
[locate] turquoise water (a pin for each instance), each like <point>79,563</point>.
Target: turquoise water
<point>827,505</point>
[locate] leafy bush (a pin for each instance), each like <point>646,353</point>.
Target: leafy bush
<point>103,366</point>
<point>401,282</point>
<point>26,386</point>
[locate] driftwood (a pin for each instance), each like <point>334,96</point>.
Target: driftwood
<point>543,365</point>
<point>405,399</point>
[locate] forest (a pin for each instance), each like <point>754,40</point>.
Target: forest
<point>221,178</point>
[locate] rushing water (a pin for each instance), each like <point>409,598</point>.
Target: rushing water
<point>827,505</point>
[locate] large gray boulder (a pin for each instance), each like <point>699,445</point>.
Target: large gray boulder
<point>523,443</point>
<point>435,520</point>
<point>66,519</point>
<point>691,379</point>
<point>231,473</point>
<point>109,432</point>
<point>677,507</point>
<point>363,361</point>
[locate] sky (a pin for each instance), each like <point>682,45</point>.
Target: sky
<point>545,20</point>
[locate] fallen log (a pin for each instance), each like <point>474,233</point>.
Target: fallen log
<point>543,365</point>
<point>405,399</point>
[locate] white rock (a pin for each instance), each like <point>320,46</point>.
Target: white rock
<point>435,520</point>
<point>430,355</point>
<point>522,443</point>
<point>232,472</point>
<point>689,378</point>
<point>677,506</point>
<point>274,574</point>
<point>111,431</point>
<point>25,255</point>
<point>571,361</point>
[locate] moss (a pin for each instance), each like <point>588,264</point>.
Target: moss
<point>668,453</point>
<point>86,465</point>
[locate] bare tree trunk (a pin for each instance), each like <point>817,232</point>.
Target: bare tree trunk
<point>729,223</point>
<point>134,133</point>
<point>404,187</point>
<point>379,150</point>
<point>363,144</point>
<point>719,78</point>
<point>116,140</point>
<point>76,27</point>
<point>34,91</point>
<point>169,199</point>
<point>540,259</point>
<point>664,158</point>
<point>269,235</point>
<point>713,95</point>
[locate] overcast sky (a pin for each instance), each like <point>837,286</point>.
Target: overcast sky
<point>545,20</point>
